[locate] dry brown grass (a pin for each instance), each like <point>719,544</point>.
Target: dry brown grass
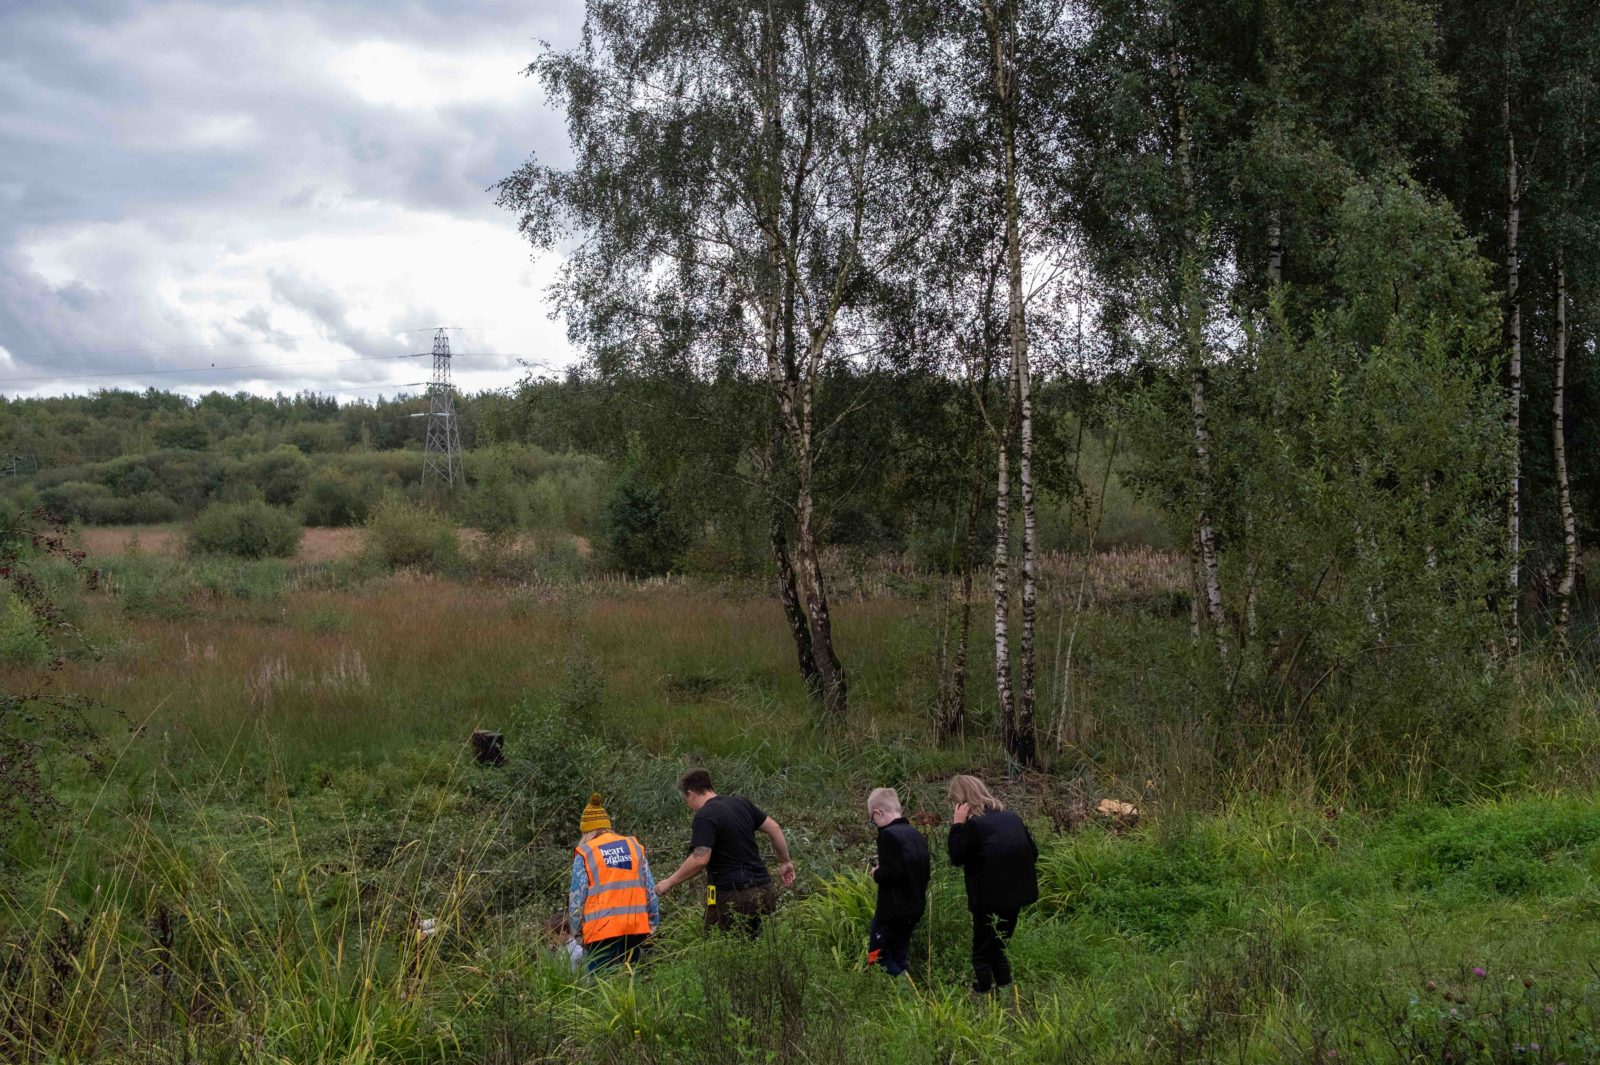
<point>1115,575</point>
<point>414,659</point>
<point>317,545</point>
<point>116,539</point>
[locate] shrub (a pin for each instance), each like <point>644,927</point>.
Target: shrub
<point>641,533</point>
<point>188,478</point>
<point>132,502</point>
<point>405,534</point>
<point>521,560</point>
<point>245,530</point>
<point>280,474</point>
<point>70,501</point>
<point>337,498</point>
<point>497,502</point>
<point>320,437</point>
<point>393,469</point>
<point>146,508</point>
<point>546,509</point>
<point>578,503</point>
<point>22,641</point>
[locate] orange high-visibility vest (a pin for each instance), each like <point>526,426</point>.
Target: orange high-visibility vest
<point>617,903</point>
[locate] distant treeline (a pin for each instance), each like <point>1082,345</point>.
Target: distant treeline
<point>508,486</point>
<point>894,472</point>
<point>70,430</point>
<point>675,459</point>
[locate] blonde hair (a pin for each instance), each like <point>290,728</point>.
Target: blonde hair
<point>974,792</point>
<point>886,800</point>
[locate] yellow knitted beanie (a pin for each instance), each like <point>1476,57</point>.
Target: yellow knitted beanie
<point>594,815</point>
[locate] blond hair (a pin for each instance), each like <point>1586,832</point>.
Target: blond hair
<point>975,793</point>
<point>885,800</point>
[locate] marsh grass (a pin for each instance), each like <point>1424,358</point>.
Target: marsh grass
<point>242,881</point>
<point>189,922</point>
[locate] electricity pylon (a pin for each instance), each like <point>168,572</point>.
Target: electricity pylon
<point>441,453</point>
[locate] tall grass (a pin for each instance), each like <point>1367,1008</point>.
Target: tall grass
<point>171,927</point>
<point>244,880</point>
<point>184,929</point>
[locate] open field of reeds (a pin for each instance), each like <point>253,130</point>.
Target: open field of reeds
<point>275,790</point>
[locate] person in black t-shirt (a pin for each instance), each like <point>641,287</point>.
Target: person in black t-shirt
<point>901,869</point>
<point>722,843</point>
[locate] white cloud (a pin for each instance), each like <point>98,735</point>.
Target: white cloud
<point>380,269</point>
<point>419,79</point>
<point>228,183</point>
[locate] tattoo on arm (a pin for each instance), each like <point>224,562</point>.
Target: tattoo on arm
<point>701,854</point>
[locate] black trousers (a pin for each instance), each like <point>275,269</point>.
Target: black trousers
<point>618,950</point>
<point>889,943</point>
<point>990,965</point>
<point>741,909</point>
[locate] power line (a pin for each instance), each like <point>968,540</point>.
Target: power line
<point>211,347</point>
<point>239,343</point>
<point>375,388</point>
<point>204,369</point>
<point>252,366</point>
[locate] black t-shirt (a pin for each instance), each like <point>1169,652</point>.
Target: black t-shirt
<point>727,824</point>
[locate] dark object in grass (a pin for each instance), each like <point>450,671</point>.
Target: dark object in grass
<point>488,747</point>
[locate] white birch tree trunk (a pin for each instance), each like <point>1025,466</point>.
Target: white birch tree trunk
<point>1025,740</point>
<point>1194,352</point>
<point>794,385</point>
<point>1017,709</point>
<point>835,693</point>
<point>1002,587</point>
<point>1569,523</point>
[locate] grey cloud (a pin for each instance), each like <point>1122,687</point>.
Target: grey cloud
<point>191,133</point>
<point>318,300</point>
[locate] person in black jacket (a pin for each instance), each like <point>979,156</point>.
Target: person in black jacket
<point>901,869</point>
<point>998,856</point>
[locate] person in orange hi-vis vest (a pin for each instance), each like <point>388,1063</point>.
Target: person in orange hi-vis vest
<point>612,896</point>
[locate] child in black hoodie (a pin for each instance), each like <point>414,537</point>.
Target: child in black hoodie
<point>901,870</point>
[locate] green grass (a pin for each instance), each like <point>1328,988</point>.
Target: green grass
<point>283,790</point>
<point>1266,932</point>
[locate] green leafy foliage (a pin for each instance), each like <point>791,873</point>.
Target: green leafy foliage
<point>399,533</point>
<point>280,475</point>
<point>22,640</point>
<point>250,530</point>
<point>334,498</point>
<point>643,537</point>
<point>497,502</point>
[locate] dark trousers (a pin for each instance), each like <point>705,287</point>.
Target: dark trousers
<point>617,950</point>
<point>889,943</point>
<point>989,962</point>
<point>741,909</point>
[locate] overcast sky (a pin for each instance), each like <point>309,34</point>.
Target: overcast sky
<point>194,184</point>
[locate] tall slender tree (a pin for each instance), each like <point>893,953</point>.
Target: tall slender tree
<point>1513,218</point>
<point>1000,19</point>
<point>758,243</point>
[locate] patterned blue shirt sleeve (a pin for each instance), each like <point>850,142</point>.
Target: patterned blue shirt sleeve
<point>577,892</point>
<point>649,891</point>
